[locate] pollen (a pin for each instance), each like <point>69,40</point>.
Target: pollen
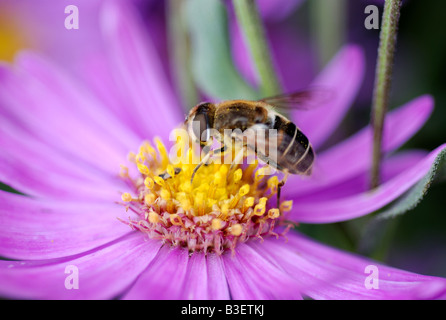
<point>153,217</point>
<point>126,197</point>
<point>217,224</point>
<point>221,207</point>
<point>149,183</point>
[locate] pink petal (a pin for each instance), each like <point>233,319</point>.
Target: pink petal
<point>51,173</point>
<point>42,26</point>
<point>174,274</point>
<point>205,278</point>
<point>136,67</point>
<point>390,168</point>
<point>38,229</point>
<point>353,156</point>
<point>341,80</point>
<point>327,273</point>
<point>70,120</point>
<point>164,278</point>
<point>103,273</point>
<point>351,207</point>
<point>251,276</point>
<point>217,284</point>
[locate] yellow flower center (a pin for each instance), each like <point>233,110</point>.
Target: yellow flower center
<point>218,209</point>
<point>11,38</point>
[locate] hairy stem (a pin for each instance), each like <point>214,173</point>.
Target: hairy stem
<point>383,81</point>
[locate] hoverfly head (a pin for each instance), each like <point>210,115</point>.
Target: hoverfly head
<point>200,121</point>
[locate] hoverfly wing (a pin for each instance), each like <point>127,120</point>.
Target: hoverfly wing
<point>268,144</point>
<point>263,143</point>
<point>287,149</point>
<point>300,100</point>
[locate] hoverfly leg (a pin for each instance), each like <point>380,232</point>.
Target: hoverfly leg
<point>166,176</point>
<point>206,158</point>
<point>237,158</point>
<point>206,150</point>
<point>219,151</point>
<point>279,188</point>
<point>203,161</point>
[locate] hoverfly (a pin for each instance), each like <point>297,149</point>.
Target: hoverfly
<point>294,152</point>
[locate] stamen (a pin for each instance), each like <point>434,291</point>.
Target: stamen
<point>140,158</point>
<point>126,197</point>
<point>143,169</point>
<point>149,198</point>
<point>248,203</point>
<point>131,157</point>
<point>273,213</point>
<point>217,224</point>
<point>153,217</point>
<point>238,175</point>
<point>236,229</point>
<point>160,181</point>
<point>286,206</point>
<point>149,183</point>
<point>260,208</point>
<point>171,170</point>
<point>163,153</point>
<point>165,194</point>
<point>273,183</point>
<point>176,220</point>
<point>124,173</point>
<point>220,209</point>
<point>242,192</point>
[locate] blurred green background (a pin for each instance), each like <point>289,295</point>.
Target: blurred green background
<point>415,241</point>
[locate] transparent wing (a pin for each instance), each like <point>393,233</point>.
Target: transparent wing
<point>280,150</point>
<point>301,100</point>
<point>267,144</point>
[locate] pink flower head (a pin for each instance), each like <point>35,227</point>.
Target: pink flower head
<point>62,146</point>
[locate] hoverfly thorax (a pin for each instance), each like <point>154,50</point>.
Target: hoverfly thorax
<point>200,122</point>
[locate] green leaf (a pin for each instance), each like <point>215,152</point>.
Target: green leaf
<point>376,228</point>
<point>7,188</point>
<point>212,66</point>
<point>411,198</point>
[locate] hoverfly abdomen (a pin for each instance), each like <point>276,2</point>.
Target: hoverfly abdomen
<point>295,153</point>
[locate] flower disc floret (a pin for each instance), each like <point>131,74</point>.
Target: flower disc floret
<point>219,208</point>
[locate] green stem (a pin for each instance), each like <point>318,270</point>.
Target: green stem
<point>383,80</point>
<point>254,33</point>
<point>179,45</point>
<point>329,25</point>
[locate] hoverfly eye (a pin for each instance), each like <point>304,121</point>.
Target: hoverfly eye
<point>200,125</point>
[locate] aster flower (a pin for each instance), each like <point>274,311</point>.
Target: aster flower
<point>63,144</point>
<point>39,25</point>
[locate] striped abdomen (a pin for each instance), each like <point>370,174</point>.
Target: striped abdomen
<point>294,151</point>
